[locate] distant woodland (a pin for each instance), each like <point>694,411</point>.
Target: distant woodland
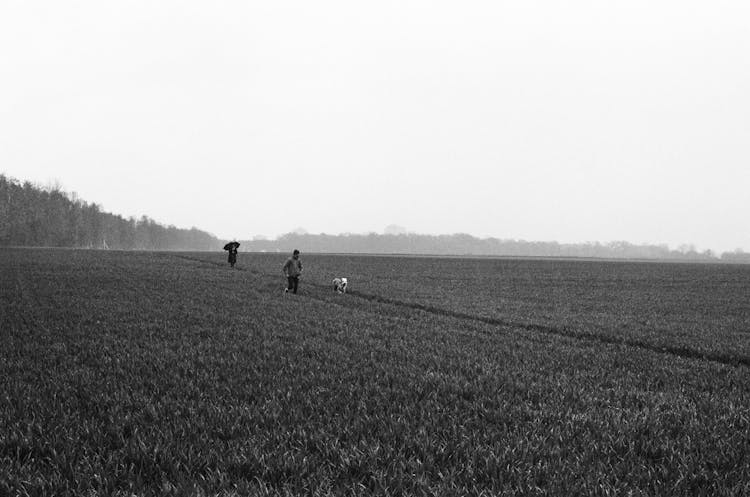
<point>35,216</point>
<point>467,245</point>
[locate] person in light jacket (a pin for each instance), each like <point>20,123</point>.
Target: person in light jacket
<point>292,270</point>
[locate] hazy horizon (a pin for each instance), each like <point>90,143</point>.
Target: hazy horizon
<point>541,121</point>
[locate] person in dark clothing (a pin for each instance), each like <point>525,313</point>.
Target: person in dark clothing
<point>292,270</point>
<point>231,247</point>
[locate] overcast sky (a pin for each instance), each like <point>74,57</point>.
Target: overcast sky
<point>540,120</point>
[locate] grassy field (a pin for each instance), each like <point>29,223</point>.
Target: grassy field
<point>165,373</point>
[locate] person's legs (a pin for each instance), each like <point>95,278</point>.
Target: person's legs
<point>289,283</point>
<point>296,283</point>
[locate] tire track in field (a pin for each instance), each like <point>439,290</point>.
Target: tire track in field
<point>563,331</point>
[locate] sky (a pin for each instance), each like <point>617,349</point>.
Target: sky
<point>538,120</point>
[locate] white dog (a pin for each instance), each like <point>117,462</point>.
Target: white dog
<point>339,285</point>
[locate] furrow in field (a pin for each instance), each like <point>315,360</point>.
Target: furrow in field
<point>565,331</point>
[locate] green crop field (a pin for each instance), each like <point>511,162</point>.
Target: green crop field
<point>128,373</point>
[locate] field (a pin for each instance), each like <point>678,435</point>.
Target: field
<point>128,373</point>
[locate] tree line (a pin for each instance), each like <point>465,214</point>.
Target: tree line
<point>35,216</point>
<point>467,245</point>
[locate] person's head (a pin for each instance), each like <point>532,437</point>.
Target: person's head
<point>295,254</point>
